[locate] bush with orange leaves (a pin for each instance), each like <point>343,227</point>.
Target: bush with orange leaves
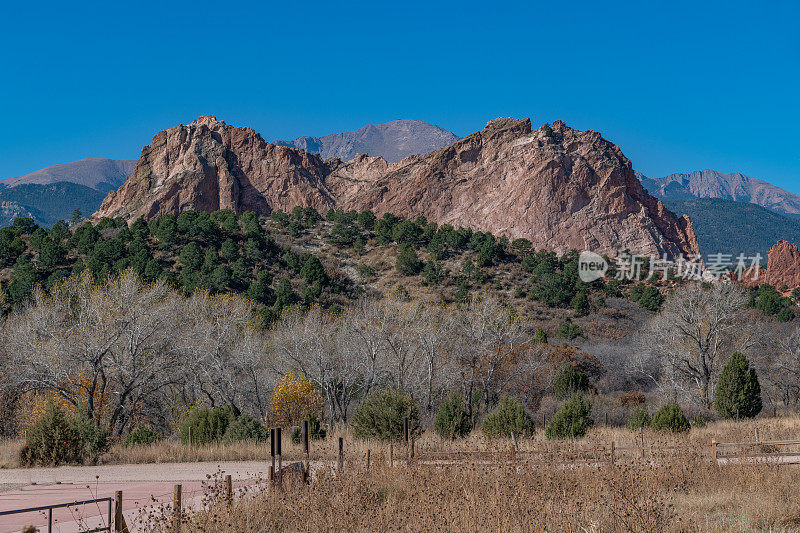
<point>295,396</point>
<point>33,405</point>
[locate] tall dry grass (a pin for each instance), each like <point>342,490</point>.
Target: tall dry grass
<point>688,495</point>
<point>478,485</point>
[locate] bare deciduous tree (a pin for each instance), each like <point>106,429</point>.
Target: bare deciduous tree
<point>696,329</point>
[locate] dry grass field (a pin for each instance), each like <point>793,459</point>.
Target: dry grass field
<point>476,484</point>
<point>690,494</point>
<point>544,486</point>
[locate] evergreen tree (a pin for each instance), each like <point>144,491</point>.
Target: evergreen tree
<point>22,279</point>
<point>408,264</point>
<point>52,254</point>
<point>452,420</point>
<point>230,250</point>
<point>572,420</point>
<point>510,416</point>
<point>568,381</point>
<point>220,278</point>
<point>738,392</point>
<point>260,290</point>
<point>284,295</point>
<point>313,271</point>
<point>670,417</point>
<point>191,257</point>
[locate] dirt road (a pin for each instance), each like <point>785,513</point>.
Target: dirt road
<point>142,486</point>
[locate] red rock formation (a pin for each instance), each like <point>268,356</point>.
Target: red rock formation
<point>783,265</point>
<point>561,189</point>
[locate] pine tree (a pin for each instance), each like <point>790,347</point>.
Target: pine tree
<point>738,392</point>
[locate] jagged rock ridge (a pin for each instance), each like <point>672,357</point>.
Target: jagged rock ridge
<point>727,186</point>
<point>783,265</point>
<point>393,141</point>
<point>561,188</point>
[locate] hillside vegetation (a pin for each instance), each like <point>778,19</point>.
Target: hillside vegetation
<point>727,227</point>
<point>51,202</point>
<point>302,258</point>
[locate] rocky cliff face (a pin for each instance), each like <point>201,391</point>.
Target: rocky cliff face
<point>783,265</point>
<point>561,188</point>
<point>209,165</point>
<point>393,141</point>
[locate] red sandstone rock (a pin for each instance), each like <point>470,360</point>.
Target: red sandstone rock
<point>783,265</point>
<point>564,189</point>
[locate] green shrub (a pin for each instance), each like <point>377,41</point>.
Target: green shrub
<point>509,416</point>
<point>738,392</point>
<point>208,424</point>
<point>640,419</point>
<point>407,264</point>
<point>141,435</point>
<point>580,303</point>
<point>647,296</point>
<point>452,420</point>
<point>569,380</point>
<point>570,331</point>
<point>785,315</point>
<point>698,421</point>
<point>381,416</point>
<point>315,429</point>
<point>670,417</point>
<point>572,420</point>
<point>56,438</point>
<point>245,427</point>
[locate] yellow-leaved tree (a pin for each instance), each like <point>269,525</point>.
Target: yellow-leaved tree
<point>295,397</point>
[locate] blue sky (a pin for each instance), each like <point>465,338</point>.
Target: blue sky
<point>679,86</point>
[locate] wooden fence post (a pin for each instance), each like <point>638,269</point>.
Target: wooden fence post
<point>119,520</point>
<point>514,440</point>
<point>306,449</point>
<point>177,509</point>
<point>368,454</point>
<point>641,438</point>
<point>229,490</point>
<point>340,463</point>
<point>272,452</point>
<point>190,436</point>
<point>714,450</point>
<point>279,453</point>
<point>757,439</point>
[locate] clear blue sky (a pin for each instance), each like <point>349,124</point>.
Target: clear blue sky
<point>679,86</point>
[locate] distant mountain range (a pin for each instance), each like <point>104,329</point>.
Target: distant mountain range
<point>53,193</point>
<point>99,174</point>
<point>725,186</point>
<point>392,141</point>
<point>47,204</point>
<point>728,227</point>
